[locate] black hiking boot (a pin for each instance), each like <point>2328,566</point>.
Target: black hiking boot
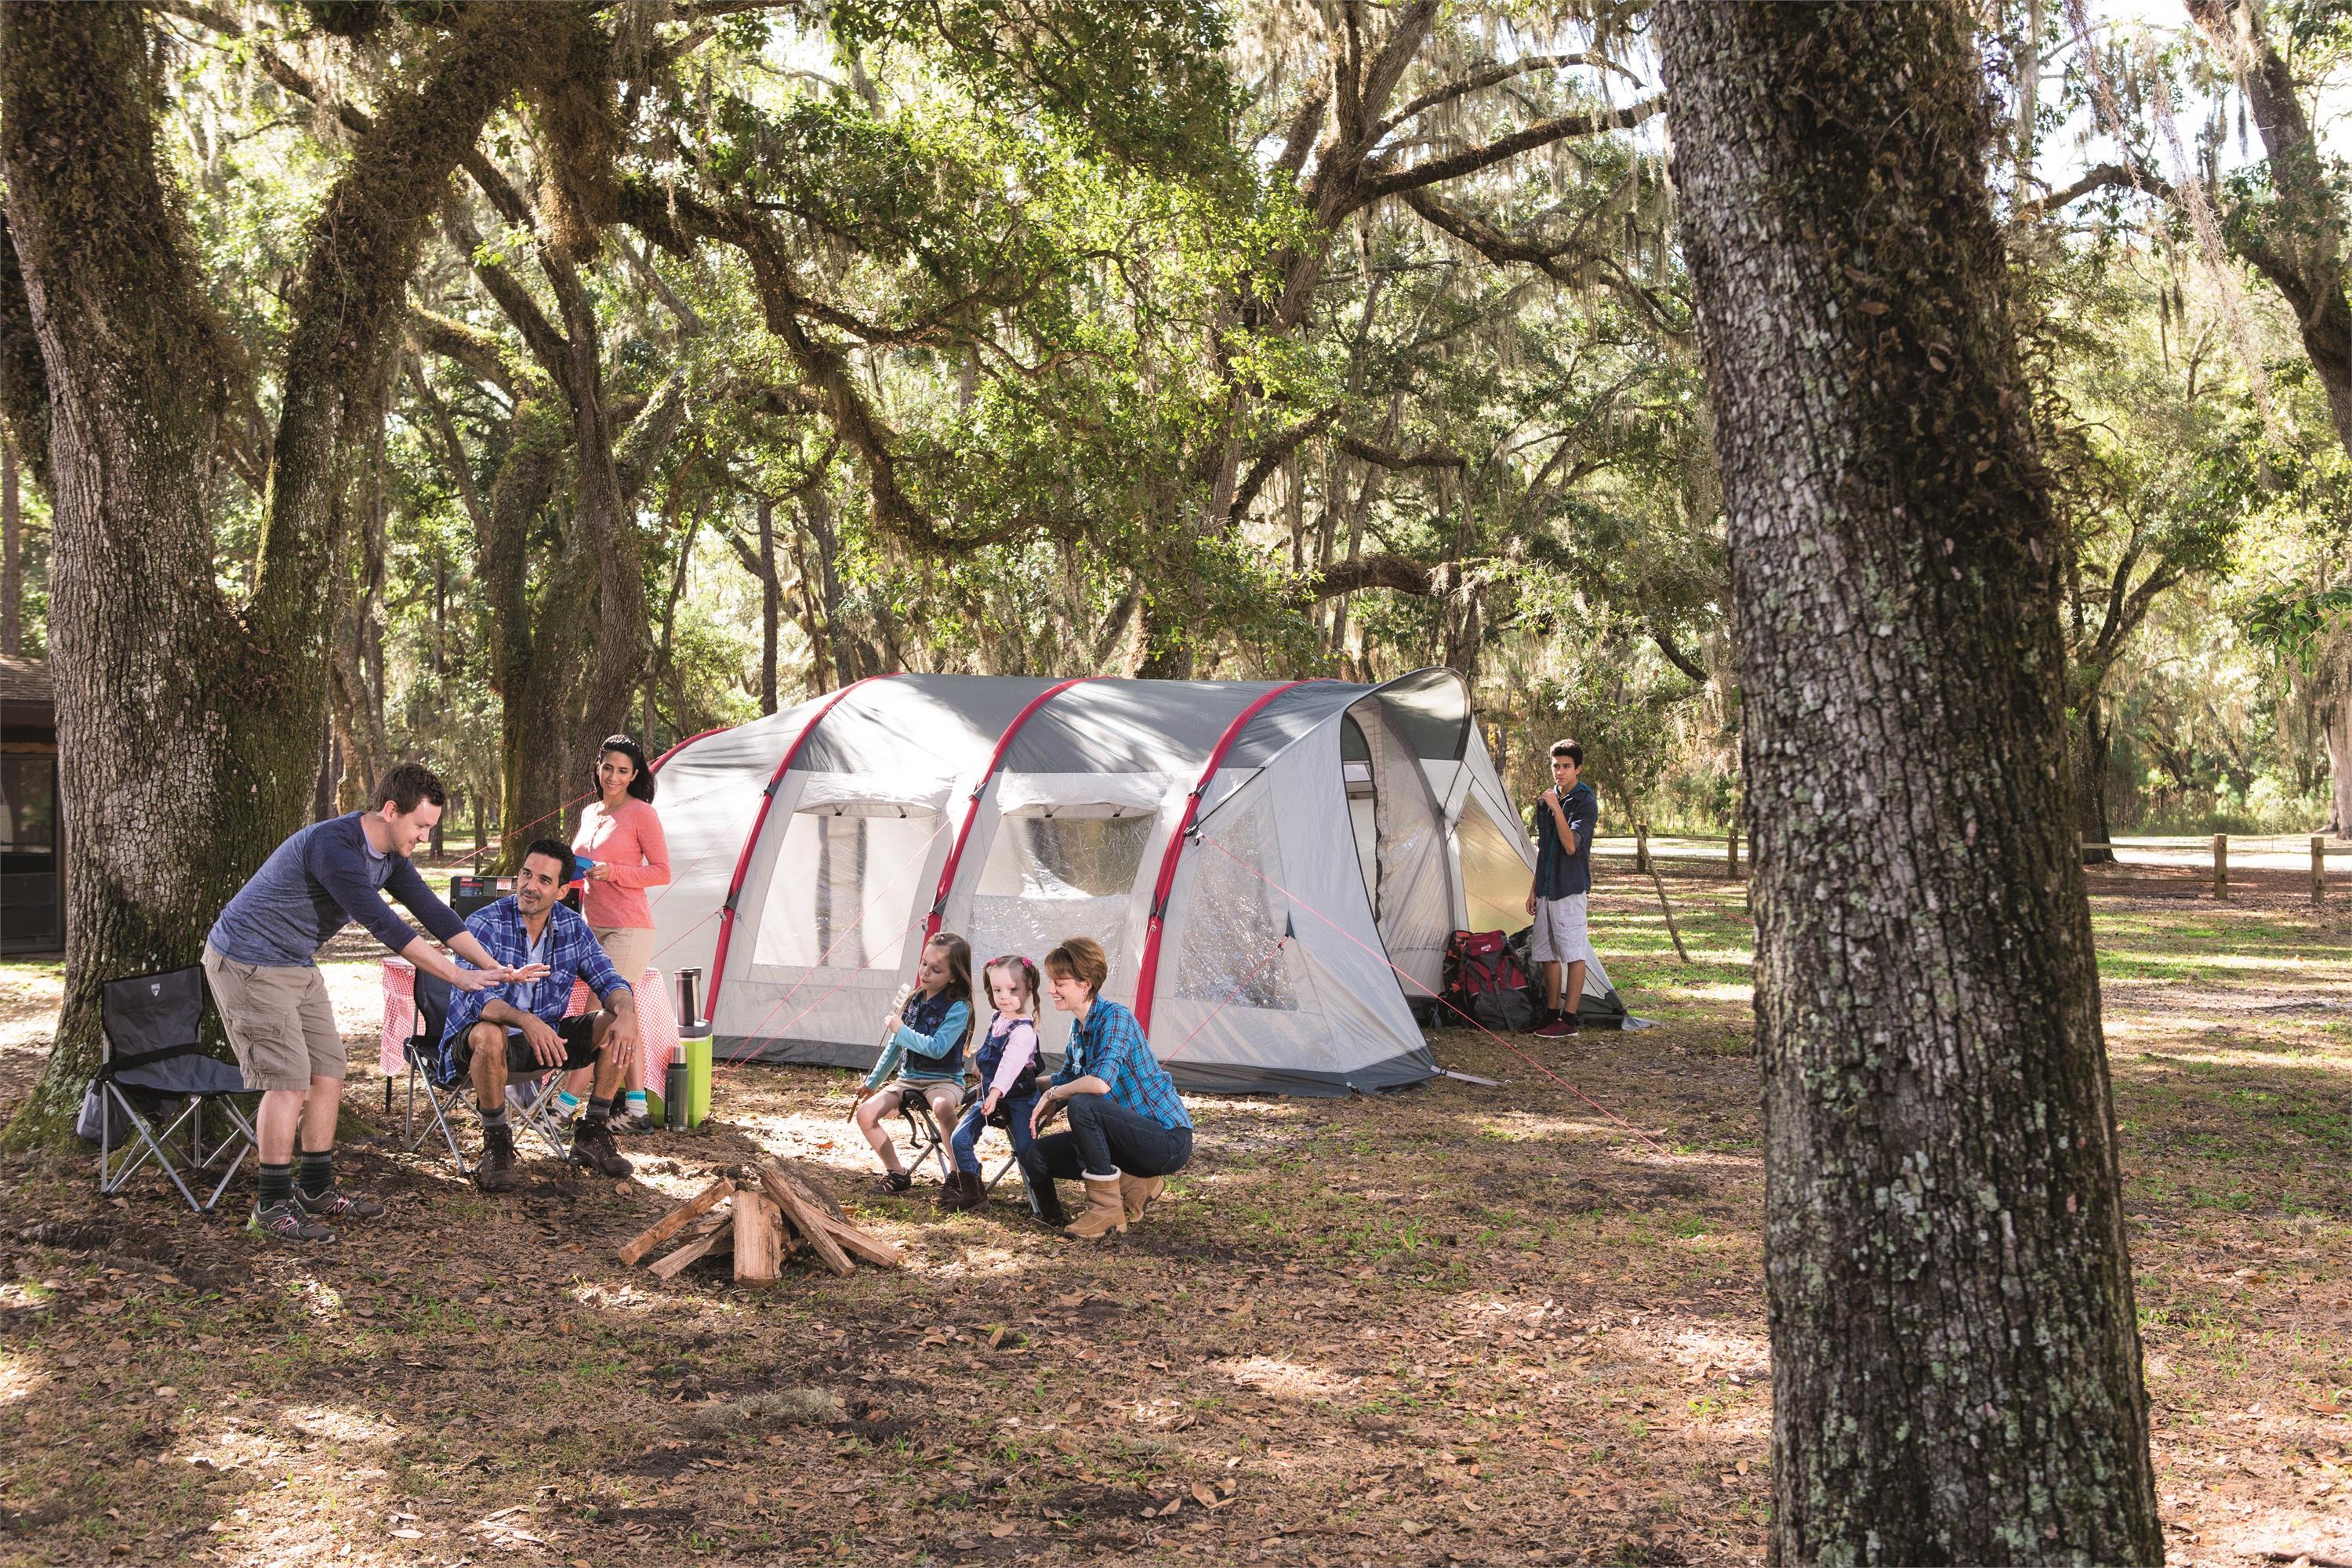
<point>591,1145</point>
<point>496,1172</point>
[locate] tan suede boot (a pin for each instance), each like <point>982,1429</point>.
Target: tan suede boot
<point>1136,1193</point>
<point>1104,1213</point>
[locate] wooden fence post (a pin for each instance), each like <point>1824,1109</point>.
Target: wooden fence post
<point>2318,871</point>
<point>1731,859</point>
<point>2220,865</point>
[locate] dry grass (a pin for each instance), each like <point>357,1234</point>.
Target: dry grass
<point>1459,1324</point>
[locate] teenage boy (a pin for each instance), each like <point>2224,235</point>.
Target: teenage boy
<point>260,958</point>
<point>1566,814</point>
<point>520,1027</point>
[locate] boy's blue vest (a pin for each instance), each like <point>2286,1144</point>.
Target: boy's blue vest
<point>925,1016</point>
<point>991,1055</point>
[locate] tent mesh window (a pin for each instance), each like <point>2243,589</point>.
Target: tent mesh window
<point>1494,879</point>
<point>842,887</point>
<point>1411,899</point>
<point>1049,877</point>
<point>1233,955</point>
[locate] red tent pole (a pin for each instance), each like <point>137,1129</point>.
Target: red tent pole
<point>972,806</point>
<point>1149,975</point>
<point>654,766</point>
<point>743,861</point>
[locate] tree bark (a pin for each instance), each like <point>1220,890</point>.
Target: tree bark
<point>770,605</point>
<point>534,686</point>
<point>1957,1367</point>
<point>664,648</point>
<point>331,770</point>
<point>12,554</point>
<point>2090,739</point>
<point>149,660</point>
<point>355,652</point>
<point>2332,701</point>
<point>852,659</point>
<point>2336,723</point>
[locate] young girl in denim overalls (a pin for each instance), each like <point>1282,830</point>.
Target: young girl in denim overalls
<point>1010,1071</point>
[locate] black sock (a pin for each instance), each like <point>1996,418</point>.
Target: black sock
<point>493,1120</point>
<point>277,1185</point>
<point>318,1171</point>
<point>600,1108</point>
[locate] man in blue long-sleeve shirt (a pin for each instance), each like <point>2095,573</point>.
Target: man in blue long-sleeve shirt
<point>261,960</point>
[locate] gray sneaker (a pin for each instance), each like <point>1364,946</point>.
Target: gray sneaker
<point>287,1222</point>
<point>337,1204</point>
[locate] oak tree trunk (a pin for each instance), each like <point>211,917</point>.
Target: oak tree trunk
<point>2091,742</point>
<point>2335,725</point>
<point>167,695</point>
<point>12,554</point>
<point>770,605</point>
<point>153,711</point>
<point>1956,1369</point>
<point>852,659</point>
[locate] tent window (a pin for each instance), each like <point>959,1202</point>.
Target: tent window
<point>1049,877</point>
<point>843,888</point>
<point>1494,880</point>
<point>1235,955</point>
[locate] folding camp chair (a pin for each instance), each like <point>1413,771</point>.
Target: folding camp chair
<point>928,1142</point>
<point>536,1105</point>
<point>423,1050</point>
<point>925,1139</point>
<point>152,1069</point>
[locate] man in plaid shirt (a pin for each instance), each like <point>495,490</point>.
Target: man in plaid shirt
<point>1129,1130</point>
<point>519,1026</point>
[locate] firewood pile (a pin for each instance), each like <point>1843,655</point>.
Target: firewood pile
<point>758,1216</point>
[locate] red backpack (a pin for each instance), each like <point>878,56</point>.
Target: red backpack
<point>1487,983</point>
<point>1480,965</point>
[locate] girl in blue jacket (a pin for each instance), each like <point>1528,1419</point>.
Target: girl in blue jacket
<point>924,1057</point>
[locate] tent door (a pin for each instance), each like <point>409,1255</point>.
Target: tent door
<point>1400,843</point>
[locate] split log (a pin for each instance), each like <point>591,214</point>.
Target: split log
<point>810,1186</point>
<point>677,1220</point>
<point>807,1217</point>
<point>759,1237</point>
<point>864,1243</point>
<point>835,1224</point>
<point>720,1237</point>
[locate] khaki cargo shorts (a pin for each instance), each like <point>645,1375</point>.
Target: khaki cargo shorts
<point>631,948</point>
<point>1559,934</point>
<point>280,1020</point>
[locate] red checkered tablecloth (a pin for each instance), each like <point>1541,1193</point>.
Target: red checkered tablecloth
<point>656,1020</point>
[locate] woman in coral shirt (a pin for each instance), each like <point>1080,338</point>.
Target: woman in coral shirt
<point>621,839</point>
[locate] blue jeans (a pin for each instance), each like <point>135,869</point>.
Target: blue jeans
<point>966,1141</point>
<point>1105,1136</point>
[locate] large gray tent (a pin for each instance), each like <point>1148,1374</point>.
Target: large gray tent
<point>1273,867</point>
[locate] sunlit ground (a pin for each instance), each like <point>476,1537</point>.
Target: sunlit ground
<point>1461,1324</point>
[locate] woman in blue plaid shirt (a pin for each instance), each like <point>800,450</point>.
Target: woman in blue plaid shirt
<point>1129,1130</point>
